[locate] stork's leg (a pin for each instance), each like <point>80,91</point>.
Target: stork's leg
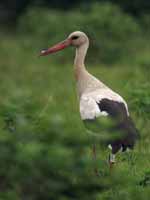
<point>94,158</point>
<point>111,160</point>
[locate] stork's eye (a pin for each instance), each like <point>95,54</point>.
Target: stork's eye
<point>75,37</point>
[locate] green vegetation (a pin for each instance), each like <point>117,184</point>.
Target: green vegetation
<point>113,34</point>
<point>45,152</point>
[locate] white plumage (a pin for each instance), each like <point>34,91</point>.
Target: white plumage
<point>96,100</point>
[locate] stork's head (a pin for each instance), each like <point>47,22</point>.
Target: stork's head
<point>76,39</point>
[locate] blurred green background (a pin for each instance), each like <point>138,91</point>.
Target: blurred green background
<point>45,152</point>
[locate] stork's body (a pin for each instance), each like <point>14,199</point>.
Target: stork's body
<point>99,105</point>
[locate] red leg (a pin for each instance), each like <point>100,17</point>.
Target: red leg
<point>94,158</point>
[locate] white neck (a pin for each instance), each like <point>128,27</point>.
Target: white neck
<point>80,58</point>
<point>85,81</point>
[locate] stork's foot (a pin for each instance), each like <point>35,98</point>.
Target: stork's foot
<point>111,165</point>
<point>96,172</point>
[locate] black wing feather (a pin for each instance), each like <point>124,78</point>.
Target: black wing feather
<point>124,123</point>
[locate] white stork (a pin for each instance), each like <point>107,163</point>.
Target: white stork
<point>100,107</point>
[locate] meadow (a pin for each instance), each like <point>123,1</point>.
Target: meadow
<point>45,151</point>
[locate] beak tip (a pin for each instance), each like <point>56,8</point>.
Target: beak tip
<point>42,53</point>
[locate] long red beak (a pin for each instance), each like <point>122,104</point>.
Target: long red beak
<point>55,48</point>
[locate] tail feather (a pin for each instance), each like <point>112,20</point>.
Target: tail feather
<point>130,136</point>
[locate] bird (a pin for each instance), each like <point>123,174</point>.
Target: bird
<point>101,109</point>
